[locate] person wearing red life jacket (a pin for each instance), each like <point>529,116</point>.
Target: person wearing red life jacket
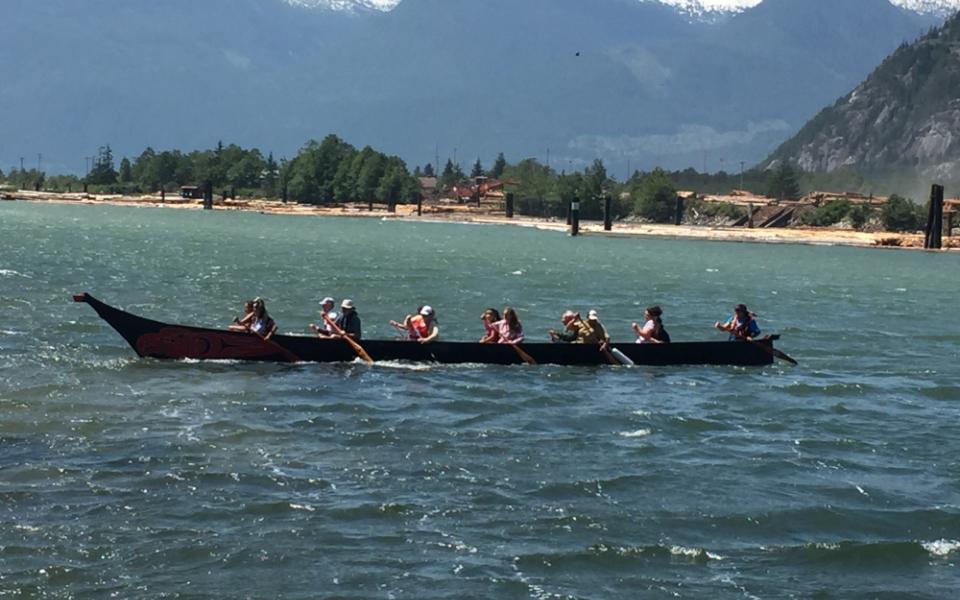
<point>420,327</point>
<point>742,325</point>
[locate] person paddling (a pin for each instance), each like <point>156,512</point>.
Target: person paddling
<point>489,317</point>
<point>575,330</point>
<point>507,330</point>
<point>323,328</point>
<point>652,331</point>
<point>262,324</point>
<point>349,321</point>
<point>598,333</point>
<point>420,327</point>
<point>243,323</point>
<point>742,325</point>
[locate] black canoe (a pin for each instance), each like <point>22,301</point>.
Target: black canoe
<point>154,339</point>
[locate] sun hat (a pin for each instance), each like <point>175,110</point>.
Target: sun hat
<point>347,303</point>
<point>426,311</point>
<point>327,300</point>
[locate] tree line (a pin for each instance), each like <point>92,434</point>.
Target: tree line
<point>327,171</point>
<point>333,170</point>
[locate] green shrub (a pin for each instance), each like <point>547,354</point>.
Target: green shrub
<point>859,215</point>
<point>901,214</point>
<point>828,214</point>
<point>656,197</point>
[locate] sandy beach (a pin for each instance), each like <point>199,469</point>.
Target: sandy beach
<point>461,213</point>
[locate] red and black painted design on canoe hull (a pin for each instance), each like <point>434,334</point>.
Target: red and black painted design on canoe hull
<point>178,342</point>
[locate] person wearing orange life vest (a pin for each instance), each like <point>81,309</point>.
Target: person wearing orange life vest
<point>741,325</point>
<point>421,327</point>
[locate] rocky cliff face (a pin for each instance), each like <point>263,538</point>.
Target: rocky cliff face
<point>906,114</point>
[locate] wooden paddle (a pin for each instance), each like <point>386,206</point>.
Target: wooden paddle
<point>769,349</point>
<point>623,358</point>
<point>353,343</point>
<point>779,354</point>
<point>290,356</point>
<point>523,355</point>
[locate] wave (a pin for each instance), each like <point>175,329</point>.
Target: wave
<point>12,273</point>
<point>603,555</point>
<point>635,434</point>
<point>868,554</point>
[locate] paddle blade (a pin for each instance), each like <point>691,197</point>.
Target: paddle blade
<point>622,358</point>
<point>784,356</point>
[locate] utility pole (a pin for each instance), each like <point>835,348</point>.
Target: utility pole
<point>548,158</point>
<point>40,162</point>
<point>21,164</point>
<point>741,174</point>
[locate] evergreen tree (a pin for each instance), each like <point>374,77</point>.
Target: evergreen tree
<point>268,177</point>
<point>449,175</point>
<point>783,183</point>
<point>417,172</point>
<point>498,166</point>
<point>477,169</point>
<point>428,171</point>
<point>103,172</point>
<point>126,174</point>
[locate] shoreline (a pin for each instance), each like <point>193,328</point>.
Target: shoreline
<point>458,213</point>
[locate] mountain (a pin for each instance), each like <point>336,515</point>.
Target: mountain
<point>624,80</point>
<point>905,115</point>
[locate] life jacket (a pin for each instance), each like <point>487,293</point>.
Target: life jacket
<point>741,329</point>
<point>418,328</point>
<point>660,333</point>
<point>590,333</point>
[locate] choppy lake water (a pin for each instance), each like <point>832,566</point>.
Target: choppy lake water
<point>124,477</point>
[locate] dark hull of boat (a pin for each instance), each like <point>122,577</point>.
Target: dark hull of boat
<point>155,339</point>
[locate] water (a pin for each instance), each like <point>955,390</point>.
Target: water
<point>123,477</point>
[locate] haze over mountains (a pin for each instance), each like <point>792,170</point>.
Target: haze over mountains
<point>618,79</point>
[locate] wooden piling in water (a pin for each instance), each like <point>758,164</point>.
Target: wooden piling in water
<point>509,206</point>
<point>933,235</point>
<point>575,218</point>
<point>607,213</point>
<point>419,205</point>
<point>678,211</point>
<point>208,195</point>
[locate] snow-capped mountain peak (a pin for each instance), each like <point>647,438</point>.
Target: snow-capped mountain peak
<point>346,5</point>
<point>941,8</point>
<point>707,10</point>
